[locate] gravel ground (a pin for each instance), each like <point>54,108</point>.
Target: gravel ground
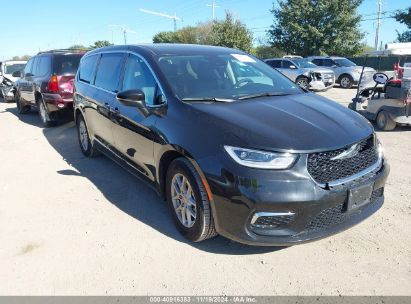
<point>74,226</point>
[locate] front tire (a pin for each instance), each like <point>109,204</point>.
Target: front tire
<point>188,201</point>
<point>85,142</point>
<point>20,108</point>
<point>303,82</point>
<point>385,122</point>
<point>346,81</point>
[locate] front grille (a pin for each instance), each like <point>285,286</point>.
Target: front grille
<point>273,222</point>
<point>336,215</point>
<point>324,168</point>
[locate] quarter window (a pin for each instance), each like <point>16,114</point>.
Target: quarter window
<point>87,68</point>
<point>109,71</point>
<point>137,75</point>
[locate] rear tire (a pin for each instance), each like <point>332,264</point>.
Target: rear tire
<point>385,122</point>
<point>86,145</point>
<point>44,114</point>
<point>188,201</point>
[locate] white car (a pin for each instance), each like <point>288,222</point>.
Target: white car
<point>7,68</point>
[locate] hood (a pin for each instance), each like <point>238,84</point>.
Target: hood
<point>11,78</point>
<point>302,122</point>
<point>320,70</point>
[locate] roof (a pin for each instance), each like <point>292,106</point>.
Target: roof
<point>63,51</point>
<point>160,49</point>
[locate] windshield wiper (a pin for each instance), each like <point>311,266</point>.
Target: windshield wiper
<point>265,94</point>
<point>205,99</point>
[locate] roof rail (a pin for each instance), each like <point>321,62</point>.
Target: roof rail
<point>62,51</point>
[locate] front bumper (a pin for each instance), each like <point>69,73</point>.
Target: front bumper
<point>239,193</point>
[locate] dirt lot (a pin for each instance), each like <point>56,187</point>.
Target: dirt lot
<point>70,225</point>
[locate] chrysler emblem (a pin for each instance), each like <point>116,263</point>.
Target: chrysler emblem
<point>351,152</point>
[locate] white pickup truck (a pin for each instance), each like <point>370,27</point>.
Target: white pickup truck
<point>7,68</point>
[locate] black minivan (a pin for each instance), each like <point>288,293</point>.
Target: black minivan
<point>234,147</point>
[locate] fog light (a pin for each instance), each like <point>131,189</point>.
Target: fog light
<point>60,105</point>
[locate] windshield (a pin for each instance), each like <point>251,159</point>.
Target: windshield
<point>304,63</point>
<point>10,69</point>
<point>222,77</point>
<point>344,62</point>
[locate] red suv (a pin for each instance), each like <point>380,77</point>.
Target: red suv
<point>47,84</point>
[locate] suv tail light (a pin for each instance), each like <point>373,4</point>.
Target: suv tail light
<point>53,85</point>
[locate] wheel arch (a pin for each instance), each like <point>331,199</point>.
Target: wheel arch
<point>164,163</point>
<point>343,75</point>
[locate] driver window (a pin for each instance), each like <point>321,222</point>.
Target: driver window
<point>137,75</point>
<point>27,68</point>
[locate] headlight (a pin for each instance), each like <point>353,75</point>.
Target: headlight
<point>261,159</point>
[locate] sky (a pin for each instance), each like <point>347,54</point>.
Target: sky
<point>50,24</point>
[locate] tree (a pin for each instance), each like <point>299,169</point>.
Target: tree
<point>317,27</point>
<point>404,17</point>
<point>266,51</point>
<point>78,47</point>
<point>229,33</point>
<point>21,58</point>
<point>100,44</point>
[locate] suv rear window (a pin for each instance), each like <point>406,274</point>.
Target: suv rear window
<point>66,64</point>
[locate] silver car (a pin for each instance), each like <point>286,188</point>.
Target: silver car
<point>346,72</point>
<point>304,73</point>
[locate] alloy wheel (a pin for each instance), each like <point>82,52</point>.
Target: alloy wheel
<point>303,83</point>
<point>83,135</point>
<point>42,112</point>
<point>184,203</point>
<point>345,82</point>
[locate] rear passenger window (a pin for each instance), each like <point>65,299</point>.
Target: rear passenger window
<point>43,66</point>
<point>328,63</point>
<point>287,64</point>
<point>109,72</point>
<point>318,62</point>
<point>87,68</point>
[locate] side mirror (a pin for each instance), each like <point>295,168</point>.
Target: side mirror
<point>16,74</point>
<point>293,67</point>
<point>380,78</point>
<point>28,75</point>
<point>133,98</point>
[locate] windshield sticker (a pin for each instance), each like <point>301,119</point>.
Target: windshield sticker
<point>243,58</point>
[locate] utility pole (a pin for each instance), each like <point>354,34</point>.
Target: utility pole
<point>377,31</point>
<point>124,30</point>
<point>213,6</point>
<point>172,17</point>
